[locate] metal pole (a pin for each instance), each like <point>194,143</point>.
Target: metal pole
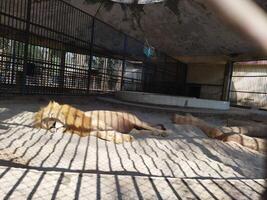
<point>26,46</point>
<point>185,71</point>
<point>13,61</point>
<point>176,81</point>
<point>123,60</point>
<point>62,70</point>
<point>226,71</point>
<point>155,82</point>
<point>227,81</point>
<point>164,80</point>
<point>143,78</point>
<point>231,65</point>
<point>91,54</point>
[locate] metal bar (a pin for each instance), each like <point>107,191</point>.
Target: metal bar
<point>224,82</point>
<point>26,46</point>
<point>124,60</point>
<point>258,76</point>
<point>205,84</point>
<point>185,78</point>
<point>229,80</point>
<point>62,71</point>
<point>91,54</point>
<point>143,78</point>
<point>249,92</point>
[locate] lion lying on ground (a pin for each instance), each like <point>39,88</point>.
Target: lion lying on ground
<point>226,134</point>
<point>107,125</point>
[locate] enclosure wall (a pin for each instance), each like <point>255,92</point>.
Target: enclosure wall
<point>205,81</point>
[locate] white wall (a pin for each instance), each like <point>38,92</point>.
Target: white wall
<point>251,83</point>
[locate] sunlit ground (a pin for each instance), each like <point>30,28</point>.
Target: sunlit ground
<point>40,164</point>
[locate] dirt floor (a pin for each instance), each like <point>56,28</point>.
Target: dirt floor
<point>38,164</point>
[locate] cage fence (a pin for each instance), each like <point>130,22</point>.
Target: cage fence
<point>51,47</point>
<point>248,84</point>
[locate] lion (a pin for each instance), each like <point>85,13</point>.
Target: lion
<point>107,125</point>
<point>225,134</point>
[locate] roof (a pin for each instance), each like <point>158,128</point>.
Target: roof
<point>180,28</point>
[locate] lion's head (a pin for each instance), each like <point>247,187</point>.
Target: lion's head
<point>46,117</point>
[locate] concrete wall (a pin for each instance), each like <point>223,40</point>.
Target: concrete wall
<point>166,100</point>
<point>209,77</point>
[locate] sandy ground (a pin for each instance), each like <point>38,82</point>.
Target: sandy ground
<point>38,164</point>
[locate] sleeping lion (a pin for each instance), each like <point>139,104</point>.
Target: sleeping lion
<point>107,125</point>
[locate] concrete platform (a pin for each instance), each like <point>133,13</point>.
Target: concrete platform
<point>167,100</point>
<point>39,164</point>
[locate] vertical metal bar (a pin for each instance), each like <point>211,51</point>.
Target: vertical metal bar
<point>164,77</point>
<point>103,87</point>
<point>123,60</point>
<point>40,20</point>
<point>227,81</point>
<point>52,21</point>
<point>26,46</point>
<point>185,71</point>
<point>223,96</point>
<point>1,64</point>
<point>151,82</point>
<point>13,61</point>
<point>176,80</point>
<point>143,78</point>
<point>10,18</point>
<point>91,53</point>
<point>62,18</point>
<point>62,70</point>
<point>17,14</point>
<point>155,89</point>
<point>4,8</point>
<point>23,14</point>
<point>71,22</point>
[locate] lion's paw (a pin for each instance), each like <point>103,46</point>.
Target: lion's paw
<point>123,138</point>
<point>128,138</point>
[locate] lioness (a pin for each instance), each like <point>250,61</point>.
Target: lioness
<point>107,125</point>
<point>226,134</point>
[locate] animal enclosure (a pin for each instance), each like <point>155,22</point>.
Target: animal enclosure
<point>157,128</point>
<point>51,47</point>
